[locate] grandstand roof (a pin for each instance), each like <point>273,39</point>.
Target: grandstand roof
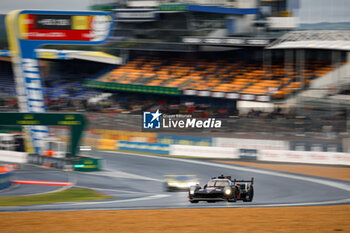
<point>97,57</point>
<point>325,39</point>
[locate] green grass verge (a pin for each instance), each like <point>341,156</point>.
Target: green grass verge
<point>68,195</point>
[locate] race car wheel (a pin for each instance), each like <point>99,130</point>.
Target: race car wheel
<point>249,196</point>
<point>192,201</point>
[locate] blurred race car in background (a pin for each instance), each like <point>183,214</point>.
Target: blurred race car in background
<point>179,182</point>
<point>222,188</point>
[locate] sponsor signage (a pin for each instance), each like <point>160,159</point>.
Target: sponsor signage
<point>5,53</point>
<point>134,88</point>
<point>234,96</point>
<point>27,30</point>
<point>87,164</point>
<point>316,146</point>
<point>64,27</point>
<point>249,154</point>
<point>184,140</point>
<point>189,92</point>
<point>251,144</point>
<point>173,7</point>
<point>204,151</point>
<point>304,157</point>
<point>262,155</point>
<point>41,120</point>
<point>135,15</point>
<point>218,94</point>
<point>228,41</point>
<point>156,148</point>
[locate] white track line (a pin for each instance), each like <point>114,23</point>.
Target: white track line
<point>120,174</point>
<point>111,190</point>
<point>108,202</point>
<point>126,200</point>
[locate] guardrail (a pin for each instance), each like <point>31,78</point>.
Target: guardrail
<point>60,163</point>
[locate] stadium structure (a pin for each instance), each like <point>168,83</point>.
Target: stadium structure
<point>244,61</point>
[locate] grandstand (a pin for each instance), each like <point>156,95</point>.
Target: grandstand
<point>222,49</point>
<point>236,59</point>
<point>217,76</point>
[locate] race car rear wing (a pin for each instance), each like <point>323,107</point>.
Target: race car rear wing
<point>244,181</point>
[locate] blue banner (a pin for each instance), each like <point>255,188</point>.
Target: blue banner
<point>184,140</point>
<point>156,148</point>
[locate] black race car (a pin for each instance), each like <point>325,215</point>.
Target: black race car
<point>222,188</point>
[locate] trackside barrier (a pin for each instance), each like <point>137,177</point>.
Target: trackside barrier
<point>84,163</point>
<point>5,179</point>
<point>205,151</point>
<point>249,154</point>
<point>331,158</point>
<point>316,146</point>
<point>156,148</point>
<point>106,144</point>
<point>184,140</point>
<point>121,135</point>
<point>251,143</point>
<point>13,156</point>
<point>59,163</point>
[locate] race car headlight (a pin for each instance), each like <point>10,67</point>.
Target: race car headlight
<point>172,184</point>
<point>192,189</point>
<point>228,191</point>
<point>191,184</point>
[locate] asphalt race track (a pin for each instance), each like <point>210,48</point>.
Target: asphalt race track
<point>137,182</point>
<point>34,173</point>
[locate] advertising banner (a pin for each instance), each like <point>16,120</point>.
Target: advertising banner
<point>205,152</point>
<point>27,30</point>
<point>184,140</point>
<point>106,144</point>
<point>242,143</point>
<point>156,148</point>
<point>304,157</point>
<point>135,15</point>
